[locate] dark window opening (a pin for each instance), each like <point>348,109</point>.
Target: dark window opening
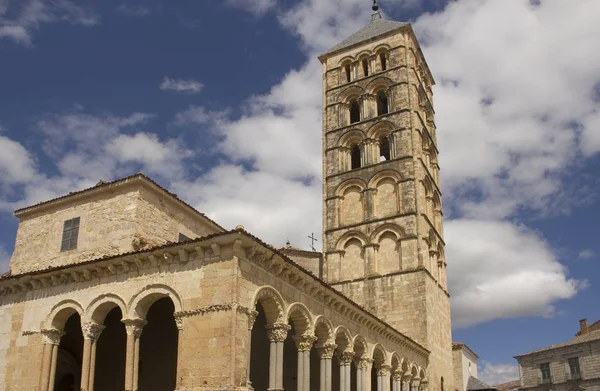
<point>354,112</point>
<point>70,234</point>
<point>442,383</point>
<point>382,103</point>
<point>355,156</point>
<point>545,369</point>
<point>347,69</point>
<point>183,238</point>
<point>574,367</point>
<point>384,149</point>
<point>365,64</point>
<point>382,60</point>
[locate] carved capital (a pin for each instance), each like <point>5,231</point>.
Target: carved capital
<point>277,332</point>
<point>415,381</point>
<point>51,336</point>
<point>383,370</point>
<point>134,326</point>
<point>326,350</point>
<point>364,363</point>
<point>91,330</point>
<point>251,318</point>
<point>346,357</point>
<point>406,377</point>
<point>397,375</point>
<point>179,322</point>
<point>304,342</point>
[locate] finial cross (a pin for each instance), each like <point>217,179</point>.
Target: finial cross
<point>312,241</point>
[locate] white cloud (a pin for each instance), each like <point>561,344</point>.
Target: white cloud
<point>17,165</point>
<point>586,254</point>
<point>33,13</point>
<point>257,7</point>
<point>136,10</point>
<point>181,85</point>
<point>494,374</point>
<point>198,115</point>
<point>500,270</point>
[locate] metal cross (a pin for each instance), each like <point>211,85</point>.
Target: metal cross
<point>312,241</point>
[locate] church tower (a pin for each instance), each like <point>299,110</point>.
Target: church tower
<point>383,237</point>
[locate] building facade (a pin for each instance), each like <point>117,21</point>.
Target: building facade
<point>465,365</point>
<point>123,286</point>
<point>383,233</point>
<point>571,365</point>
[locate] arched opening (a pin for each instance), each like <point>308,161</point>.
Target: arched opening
<point>290,362</point>
<point>374,378</point>
<point>442,383</point>
<point>353,381</point>
<point>383,61</point>
<point>259,354</point>
<point>354,111</point>
<point>158,348</point>
<point>335,373</point>
<point>69,357</point>
<point>355,157</point>
<point>382,103</point>
<point>384,149</point>
<point>348,72</point>
<point>365,65</point>
<point>315,369</point>
<point>110,353</point>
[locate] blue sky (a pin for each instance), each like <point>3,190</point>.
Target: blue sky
<point>99,90</point>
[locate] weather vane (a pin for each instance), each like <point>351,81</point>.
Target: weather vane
<point>375,6</point>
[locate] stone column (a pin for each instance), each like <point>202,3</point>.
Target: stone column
<point>134,329</point>
<point>326,354</point>
<point>51,342</point>
<point>91,332</point>
<point>345,368</point>
<point>414,385</point>
<point>371,259</point>
<point>397,381</point>
<point>276,333</point>
<point>362,374</point>
<point>304,343</point>
<point>251,318</point>
<point>383,378</point>
<point>406,378</point>
<point>179,323</point>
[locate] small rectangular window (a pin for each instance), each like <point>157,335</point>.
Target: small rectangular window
<point>574,367</point>
<point>183,238</point>
<point>70,234</point>
<point>545,368</point>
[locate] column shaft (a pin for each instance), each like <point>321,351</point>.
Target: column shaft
<point>85,364</point>
<point>300,372</point>
<point>272,364</point>
<point>53,368</point>
<point>279,366</point>
<point>129,363</point>
<point>136,363</point>
<point>92,366</point>
<point>46,357</point>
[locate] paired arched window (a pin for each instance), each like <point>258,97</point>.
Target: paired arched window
<point>382,103</point>
<point>384,149</point>
<point>365,65</point>
<point>354,111</point>
<point>355,157</point>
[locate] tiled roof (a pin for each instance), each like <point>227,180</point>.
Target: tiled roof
<point>511,385</point>
<point>591,336</point>
<point>477,385</point>
<point>460,345</point>
<point>102,185</point>
<point>376,27</point>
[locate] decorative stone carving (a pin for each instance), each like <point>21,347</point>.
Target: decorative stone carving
<point>364,363</point>
<point>277,332</point>
<point>51,336</point>
<point>92,330</point>
<point>346,357</point>
<point>251,318</point>
<point>397,375</point>
<point>304,342</point>
<point>179,323</point>
<point>134,326</point>
<point>326,350</point>
<point>383,370</point>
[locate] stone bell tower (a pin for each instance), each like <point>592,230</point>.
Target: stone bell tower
<point>383,234</point>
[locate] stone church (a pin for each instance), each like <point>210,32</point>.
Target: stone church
<point>124,286</point>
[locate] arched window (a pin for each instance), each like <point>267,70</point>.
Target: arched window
<point>348,72</point>
<point>365,65</point>
<point>384,149</point>
<point>354,111</point>
<point>382,103</point>
<point>382,61</point>
<point>355,156</point>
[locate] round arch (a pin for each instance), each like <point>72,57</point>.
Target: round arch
<point>350,93</point>
<point>343,339</point>
<point>345,60</point>
<point>380,129</point>
<point>97,310</point>
<point>271,301</point>
<point>379,83</point>
<point>60,313</point>
<point>384,175</point>
<point>360,346</point>
<point>324,330</point>
<point>351,137</point>
<point>351,235</point>
<point>379,355</point>
<point>349,184</point>
<point>300,317</point>
<point>140,303</point>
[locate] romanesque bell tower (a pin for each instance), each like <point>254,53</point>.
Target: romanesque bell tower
<point>383,238</point>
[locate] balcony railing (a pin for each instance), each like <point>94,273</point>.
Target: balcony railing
<point>545,380</point>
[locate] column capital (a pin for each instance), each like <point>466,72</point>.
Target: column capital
<point>326,350</point>
<point>91,330</point>
<point>346,357</point>
<point>51,336</point>
<point>397,375</point>
<point>415,380</point>
<point>179,322</point>
<point>364,363</point>
<point>406,377</point>
<point>251,318</point>
<point>383,370</point>
<point>134,326</point>
<point>304,342</point>
<point>277,332</point>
